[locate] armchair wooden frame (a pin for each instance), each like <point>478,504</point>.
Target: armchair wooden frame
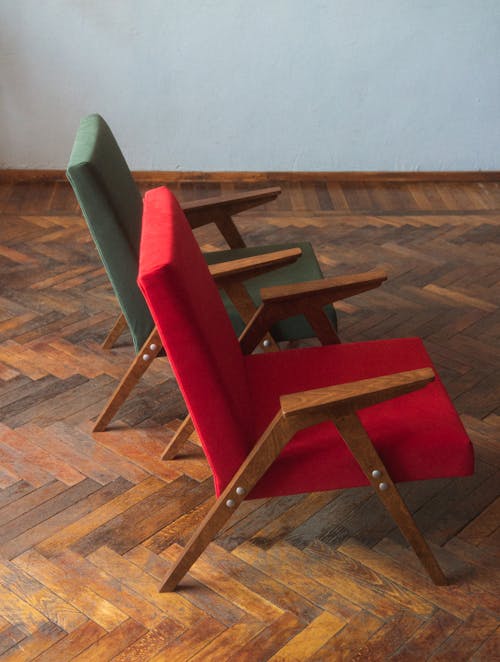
<point>301,410</point>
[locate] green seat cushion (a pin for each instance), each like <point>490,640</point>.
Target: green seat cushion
<point>304,269</point>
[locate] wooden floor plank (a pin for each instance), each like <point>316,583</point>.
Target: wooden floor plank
<point>143,519</point>
<point>467,581</point>
<point>214,604</point>
<point>79,503</point>
<point>303,588</point>
<point>387,639</point>
<point>19,613</point>
<point>9,637</point>
<point>210,573</point>
<point>112,643</point>
<point>173,604</point>
<point>345,644</point>
<point>367,582</point>
<point>21,440</point>
<point>153,641</point>
<point>84,525</point>
<point>82,571</point>
<point>270,640</point>
<point>59,611</point>
<point>453,600</point>
<point>468,637</point>
<point>310,639</point>
<point>234,638</point>
<point>489,650</point>
<point>189,643</point>
<point>94,607</point>
<point>36,644</point>
<point>73,643</point>
<point>428,637</point>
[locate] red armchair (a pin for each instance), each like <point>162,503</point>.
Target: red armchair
<point>372,413</point>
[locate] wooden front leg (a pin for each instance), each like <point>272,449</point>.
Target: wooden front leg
<point>118,328</point>
<point>356,438</point>
<point>138,367</point>
<point>263,454</point>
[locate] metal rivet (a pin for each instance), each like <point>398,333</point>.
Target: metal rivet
<point>145,357</point>
<point>153,347</point>
<point>240,491</point>
<point>376,473</point>
<point>266,343</point>
<point>230,503</point>
<point>383,486</point>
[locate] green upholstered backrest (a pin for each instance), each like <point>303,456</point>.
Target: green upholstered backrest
<point>112,206</point>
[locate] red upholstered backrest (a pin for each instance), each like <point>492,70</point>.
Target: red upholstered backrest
<point>196,332</point>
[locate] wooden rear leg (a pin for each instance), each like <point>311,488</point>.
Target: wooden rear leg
<point>356,438</point>
<point>322,326</point>
<point>137,368</point>
<point>118,328</point>
<point>184,431</point>
<point>245,306</point>
<point>229,231</point>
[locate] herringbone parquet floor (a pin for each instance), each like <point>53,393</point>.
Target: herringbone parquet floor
<point>89,522</point>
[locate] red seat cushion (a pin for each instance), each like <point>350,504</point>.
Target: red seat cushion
<point>418,435</point>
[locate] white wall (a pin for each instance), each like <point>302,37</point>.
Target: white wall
<point>255,84</point>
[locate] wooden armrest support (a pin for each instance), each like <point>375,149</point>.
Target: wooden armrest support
<point>325,290</point>
<point>249,267</point>
<point>220,209</point>
<point>355,395</point>
<point>247,198</point>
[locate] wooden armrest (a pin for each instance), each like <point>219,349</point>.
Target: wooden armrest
<point>355,395</point>
<point>248,199</point>
<point>248,267</point>
<point>325,289</point>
